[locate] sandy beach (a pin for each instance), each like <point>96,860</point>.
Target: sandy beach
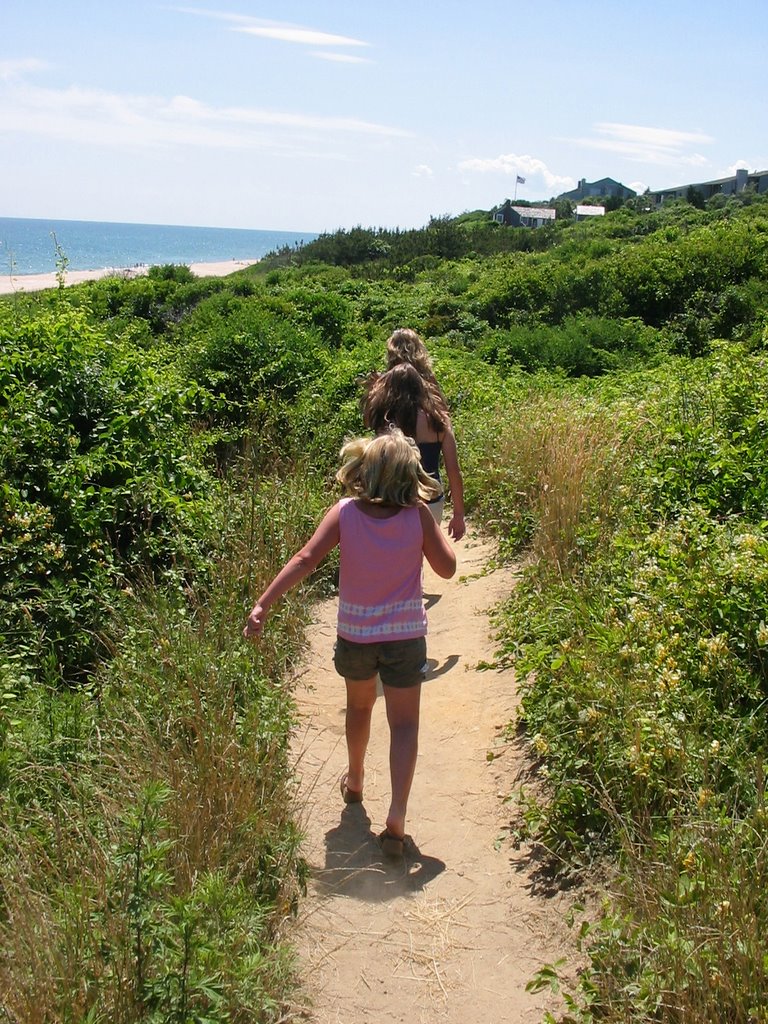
<point>10,283</point>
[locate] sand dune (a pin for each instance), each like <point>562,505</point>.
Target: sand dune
<point>10,283</point>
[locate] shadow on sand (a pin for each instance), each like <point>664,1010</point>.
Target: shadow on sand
<point>434,670</point>
<point>355,866</point>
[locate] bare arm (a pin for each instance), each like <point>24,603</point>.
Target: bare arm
<point>436,549</point>
<point>456,526</point>
<point>324,539</point>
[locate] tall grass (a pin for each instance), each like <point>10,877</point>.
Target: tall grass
<point>551,477</point>
<point>148,876</point>
<point>642,667</point>
<point>686,940</point>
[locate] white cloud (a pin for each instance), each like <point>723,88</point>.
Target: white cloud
<point>297,34</point>
<point>341,58</point>
<point>526,166</point>
<point>104,118</point>
<point>644,144</point>
<point>422,171</point>
<point>13,69</point>
<point>663,138</point>
<point>283,32</point>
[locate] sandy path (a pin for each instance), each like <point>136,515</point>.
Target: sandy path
<point>454,933</point>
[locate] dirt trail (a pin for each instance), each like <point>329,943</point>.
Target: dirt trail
<point>453,933</point>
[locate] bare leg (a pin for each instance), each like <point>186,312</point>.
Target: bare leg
<point>403,706</point>
<point>361,696</point>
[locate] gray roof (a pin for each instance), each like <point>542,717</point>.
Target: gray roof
<point>542,212</point>
<point>714,181</point>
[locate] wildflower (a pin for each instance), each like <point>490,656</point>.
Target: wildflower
<point>717,646</point>
<point>705,798</point>
<point>590,714</point>
<point>714,747</point>
<point>715,650</point>
<point>540,744</point>
<point>638,617</point>
<point>689,861</point>
<point>762,634</point>
<point>749,541</point>
<point>668,680</point>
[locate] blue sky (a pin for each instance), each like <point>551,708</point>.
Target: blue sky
<point>311,116</point>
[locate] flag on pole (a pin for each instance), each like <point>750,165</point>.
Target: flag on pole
<point>520,181</point>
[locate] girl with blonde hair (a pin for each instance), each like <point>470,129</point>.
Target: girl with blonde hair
<point>383,530</point>
<point>405,346</point>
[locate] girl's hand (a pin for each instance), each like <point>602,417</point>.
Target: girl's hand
<point>456,528</point>
<point>255,623</point>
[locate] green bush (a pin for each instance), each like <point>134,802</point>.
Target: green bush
<point>644,681</point>
<point>101,480</point>
<point>243,353</point>
<point>581,346</point>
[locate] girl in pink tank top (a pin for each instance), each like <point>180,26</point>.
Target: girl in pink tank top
<point>383,529</point>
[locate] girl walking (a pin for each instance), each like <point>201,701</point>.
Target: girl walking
<point>406,346</point>
<point>383,530</point>
<point>402,397</point>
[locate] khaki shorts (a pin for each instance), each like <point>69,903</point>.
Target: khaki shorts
<point>399,663</point>
<point>436,508</point>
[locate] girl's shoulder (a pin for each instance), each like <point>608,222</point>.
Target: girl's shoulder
<point>373,510</point>
<point>425,429</point>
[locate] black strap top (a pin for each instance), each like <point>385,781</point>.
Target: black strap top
<point>430,459</point>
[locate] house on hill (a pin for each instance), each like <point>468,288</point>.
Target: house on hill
<point>583,211</point>
<point>524,216</point>
<point>742,179</point>
<point>604,187</point>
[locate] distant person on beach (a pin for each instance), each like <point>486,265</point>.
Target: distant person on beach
<point>383,530</point>
<point>404,398</point>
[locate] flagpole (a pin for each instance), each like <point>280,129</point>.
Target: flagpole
<point>518,181</point>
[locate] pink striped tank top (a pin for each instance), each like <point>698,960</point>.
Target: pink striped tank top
<point>380,592</point>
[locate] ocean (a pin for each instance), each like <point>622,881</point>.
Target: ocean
<point>28,246</point>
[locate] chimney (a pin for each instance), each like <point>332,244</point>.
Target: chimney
<point>741,178</point>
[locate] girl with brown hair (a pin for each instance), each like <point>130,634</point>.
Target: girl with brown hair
<point>402,397</point>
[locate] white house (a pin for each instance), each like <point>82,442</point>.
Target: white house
<point>584,210</point>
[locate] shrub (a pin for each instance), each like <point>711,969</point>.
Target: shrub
<point>100,481</point>
<point>249,357</point>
